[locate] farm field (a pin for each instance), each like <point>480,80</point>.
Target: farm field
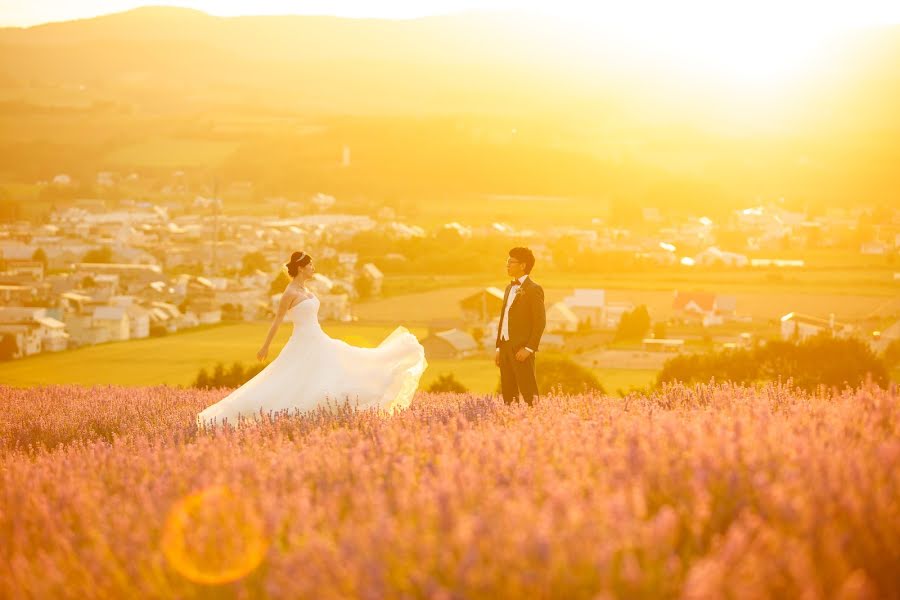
<point>176,359</point>
<point>173,359</point>
<point>685,493</point>
<point>441,303</point>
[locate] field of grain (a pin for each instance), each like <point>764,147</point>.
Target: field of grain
<point>111,492</point>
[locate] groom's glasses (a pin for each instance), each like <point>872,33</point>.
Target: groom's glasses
<point>512,262</point>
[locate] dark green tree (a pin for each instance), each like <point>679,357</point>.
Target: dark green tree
<point>41,257</point>
<point>363,287</point>
<point>8,347</point>
<point>447,382</point>
<point>564,374</point>
<point>279,283</point>
<point>254,261</point>
<point>634,325</point>
<point>559,373</point>
<point>891,355</point>
<point>98,255</point>
<point>202,380</point>
<point>659,330</point>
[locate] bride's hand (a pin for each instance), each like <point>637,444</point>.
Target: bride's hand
<point>263,352</point>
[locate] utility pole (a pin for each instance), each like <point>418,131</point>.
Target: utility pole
<point>215,241</point>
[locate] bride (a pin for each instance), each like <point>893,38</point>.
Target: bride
<point>315,370</point>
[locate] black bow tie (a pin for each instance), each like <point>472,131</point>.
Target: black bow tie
<point>515,282</point>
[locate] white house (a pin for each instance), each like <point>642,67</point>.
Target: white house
<point>33,330</point>
<point>799,326</point>
<point>712,256</point>
<point>615,311</point>
<point>54,337</point>
<point>334,307</point>
<point>375,277</point>
<point>168,315</point>
<point>876,248</point>
<point>138,322</point>
<point>245,298</point>
<point>27,337</point>
<point>324,201</point>
<point>320,284</point>
<point>16,294</point>
<point>481,306</point>
<point>452,343</point>
<point>703,306</point>
<point>561,318</point>
<point>115,320</point>
<point>589,305</point>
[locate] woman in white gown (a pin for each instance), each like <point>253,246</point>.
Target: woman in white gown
<point>315,370</point>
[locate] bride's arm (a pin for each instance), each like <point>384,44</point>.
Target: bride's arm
<point>283,306</point>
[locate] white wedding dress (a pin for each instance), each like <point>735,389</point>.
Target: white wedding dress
<point>315,370</point>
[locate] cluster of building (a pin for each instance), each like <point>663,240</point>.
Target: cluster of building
<point>584,321</point>
<point>92,276</point>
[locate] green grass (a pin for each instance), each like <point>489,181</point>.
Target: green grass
<point>478,374</point>
<point>614,380</point>
<point>176,359</point>
<point>173,359</point>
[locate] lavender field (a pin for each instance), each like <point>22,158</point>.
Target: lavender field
<point>709,492</point>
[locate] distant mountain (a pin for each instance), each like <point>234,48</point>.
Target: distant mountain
<point>471,62</point>
<point>604,120</point>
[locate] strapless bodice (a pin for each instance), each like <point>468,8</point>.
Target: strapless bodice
<point>305,316</point>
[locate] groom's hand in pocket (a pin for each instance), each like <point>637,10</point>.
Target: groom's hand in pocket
<point>522,355</point>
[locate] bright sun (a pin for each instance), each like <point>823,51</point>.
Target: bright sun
<point>749,49</point>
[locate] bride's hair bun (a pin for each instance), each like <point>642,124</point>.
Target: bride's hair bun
<point>297,262</point>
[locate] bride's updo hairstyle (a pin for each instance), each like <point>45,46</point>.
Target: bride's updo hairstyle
<point>298,261</point>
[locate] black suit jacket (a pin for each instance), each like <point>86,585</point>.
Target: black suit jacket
<point>527,317</point>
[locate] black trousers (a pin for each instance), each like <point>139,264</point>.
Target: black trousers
<point>515,376</point>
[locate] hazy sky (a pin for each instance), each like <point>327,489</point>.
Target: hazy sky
<point>819,13</point>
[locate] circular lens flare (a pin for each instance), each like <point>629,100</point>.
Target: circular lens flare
<point>212,537</point>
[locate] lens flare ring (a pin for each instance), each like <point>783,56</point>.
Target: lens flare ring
<point>215,509</point>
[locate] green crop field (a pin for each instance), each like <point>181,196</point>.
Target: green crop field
<point>176,359</point>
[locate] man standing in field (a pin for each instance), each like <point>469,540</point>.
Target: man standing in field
<point>522,321</point>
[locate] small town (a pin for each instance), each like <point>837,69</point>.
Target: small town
<point>103,271</point>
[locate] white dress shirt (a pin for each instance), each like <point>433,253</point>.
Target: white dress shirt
<point>504,328</point>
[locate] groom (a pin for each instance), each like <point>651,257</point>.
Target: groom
<point>522,321</point>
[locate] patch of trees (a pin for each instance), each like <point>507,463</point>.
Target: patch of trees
<point>98,255</point>
<point>447,383</point>
<point>8,347</point>
<point>231,377</point>
<point>559,373</point>
<point>821,360</point>
<point>634,325</point>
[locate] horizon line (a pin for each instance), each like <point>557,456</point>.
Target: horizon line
<point>884,21</point>
<point>176,7</point>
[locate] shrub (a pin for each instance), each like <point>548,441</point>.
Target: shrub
<point>447,382</point>
<point>821,360</point>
